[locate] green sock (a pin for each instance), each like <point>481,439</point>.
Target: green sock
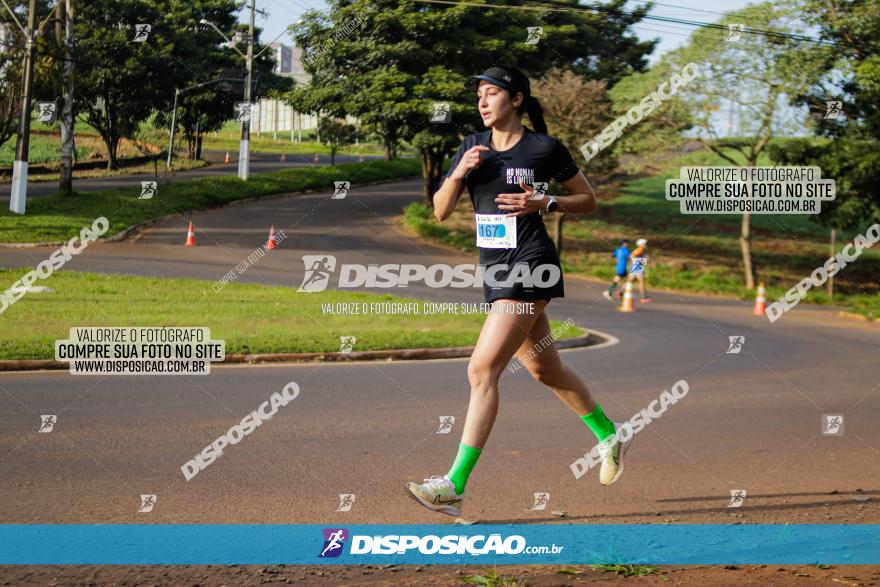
<point>463,465</point>
<point>599,423</point>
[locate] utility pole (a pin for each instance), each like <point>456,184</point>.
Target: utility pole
<point>244,150</point>
<point>65,184</point>
<point>20,166</point>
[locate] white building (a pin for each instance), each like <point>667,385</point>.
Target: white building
<point>276,116</point>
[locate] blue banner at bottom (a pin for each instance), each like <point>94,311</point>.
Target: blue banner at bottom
<point>569,544</point>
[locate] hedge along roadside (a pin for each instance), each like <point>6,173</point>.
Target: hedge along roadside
<point>53,219</point>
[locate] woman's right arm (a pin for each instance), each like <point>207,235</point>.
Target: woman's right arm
<point>447,196</point>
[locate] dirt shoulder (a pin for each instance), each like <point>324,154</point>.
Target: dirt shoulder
<point>440,575</point>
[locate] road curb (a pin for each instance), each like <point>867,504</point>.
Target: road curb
<point>135,228</point>
<point>591,338</point>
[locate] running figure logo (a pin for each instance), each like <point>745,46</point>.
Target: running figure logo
<point>446,423</point>
<point>737,496</point>
<point>46,111</point>
<point>441,113</point>
<point>346,343</point>
<point>334,540</point>
<point>340,189</point>
<point>832,424</point>
<point>833,108</point>
<point>541,500</point>
<point>534,34</point>
<point>318,270</point>
<point>47,423</point>
<point>541,188</point>
<point>735,344</point>
<point>346,500</point>
<point>141,32</point>
<point>638,266</point>
<point>148,190</point>
<point>243,111</point>
<point>147,503</point>
<point>734,32</point>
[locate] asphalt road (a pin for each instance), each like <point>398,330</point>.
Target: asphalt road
<point>260,162</point>
<point>750,420</point>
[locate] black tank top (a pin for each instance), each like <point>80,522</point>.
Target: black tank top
<point>536,157</point>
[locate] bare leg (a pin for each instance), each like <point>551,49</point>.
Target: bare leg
<point>501,336</point>
<point>547,368</point>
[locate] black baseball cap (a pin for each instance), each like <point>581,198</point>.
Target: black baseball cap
<point>506,76</point>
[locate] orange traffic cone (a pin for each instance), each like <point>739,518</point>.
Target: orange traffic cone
<point>283,157</point>
<point>190,236</point>
<point>316,159</point>
<point>627,304</point>
<point>270,244</point>
<point>760,300</point>
<point>226,160</point>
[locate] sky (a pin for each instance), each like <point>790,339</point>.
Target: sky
<point>284,12</point>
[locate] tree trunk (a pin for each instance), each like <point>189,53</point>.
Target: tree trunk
<point>332,157</point>
<point>111,143</point>
<point>199,147</point>
<point>745,243</point>
<point>65,182</point>
<point>426,176</point>
<point>389,150</point>
<point>745,240</point>
<point>560,218</point>
<point>432,172</point>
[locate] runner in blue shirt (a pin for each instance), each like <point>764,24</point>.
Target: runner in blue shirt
<point>621,254</point>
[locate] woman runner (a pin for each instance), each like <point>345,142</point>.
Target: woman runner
<point>514,244</point>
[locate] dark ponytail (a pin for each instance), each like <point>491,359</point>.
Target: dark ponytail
<point>536,114</point>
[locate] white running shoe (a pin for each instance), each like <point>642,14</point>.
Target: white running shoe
<point>437,494</point>
<point>606,294</point>
<point>612,458</point>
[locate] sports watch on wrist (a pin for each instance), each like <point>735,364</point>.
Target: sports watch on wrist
<point>552,204</point>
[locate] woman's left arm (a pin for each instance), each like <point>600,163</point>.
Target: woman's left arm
<point>581,198</point>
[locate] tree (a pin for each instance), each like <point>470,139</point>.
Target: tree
<point>10,78</point>
<point>849,72</point>
<point>575,110</point>
<point>11,59</point>
<point>336,133</point>
<point>756,74</point>
<point>387,61</point>
<point>121,82</point>
<point>661,130</point>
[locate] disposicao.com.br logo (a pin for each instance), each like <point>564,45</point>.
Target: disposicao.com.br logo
<point>320,268</point>
<point>449,544</point>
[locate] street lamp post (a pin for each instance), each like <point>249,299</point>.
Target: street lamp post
<point>244,149</point>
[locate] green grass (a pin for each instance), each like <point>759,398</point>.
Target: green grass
<point>43,149</point>
<point>250,318</point>
<point>57,218</point>
<point>179,165</point>
<point>688,253</point>
<point>490,578</point>
<point>627,570</point>
<point>228,138</point>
